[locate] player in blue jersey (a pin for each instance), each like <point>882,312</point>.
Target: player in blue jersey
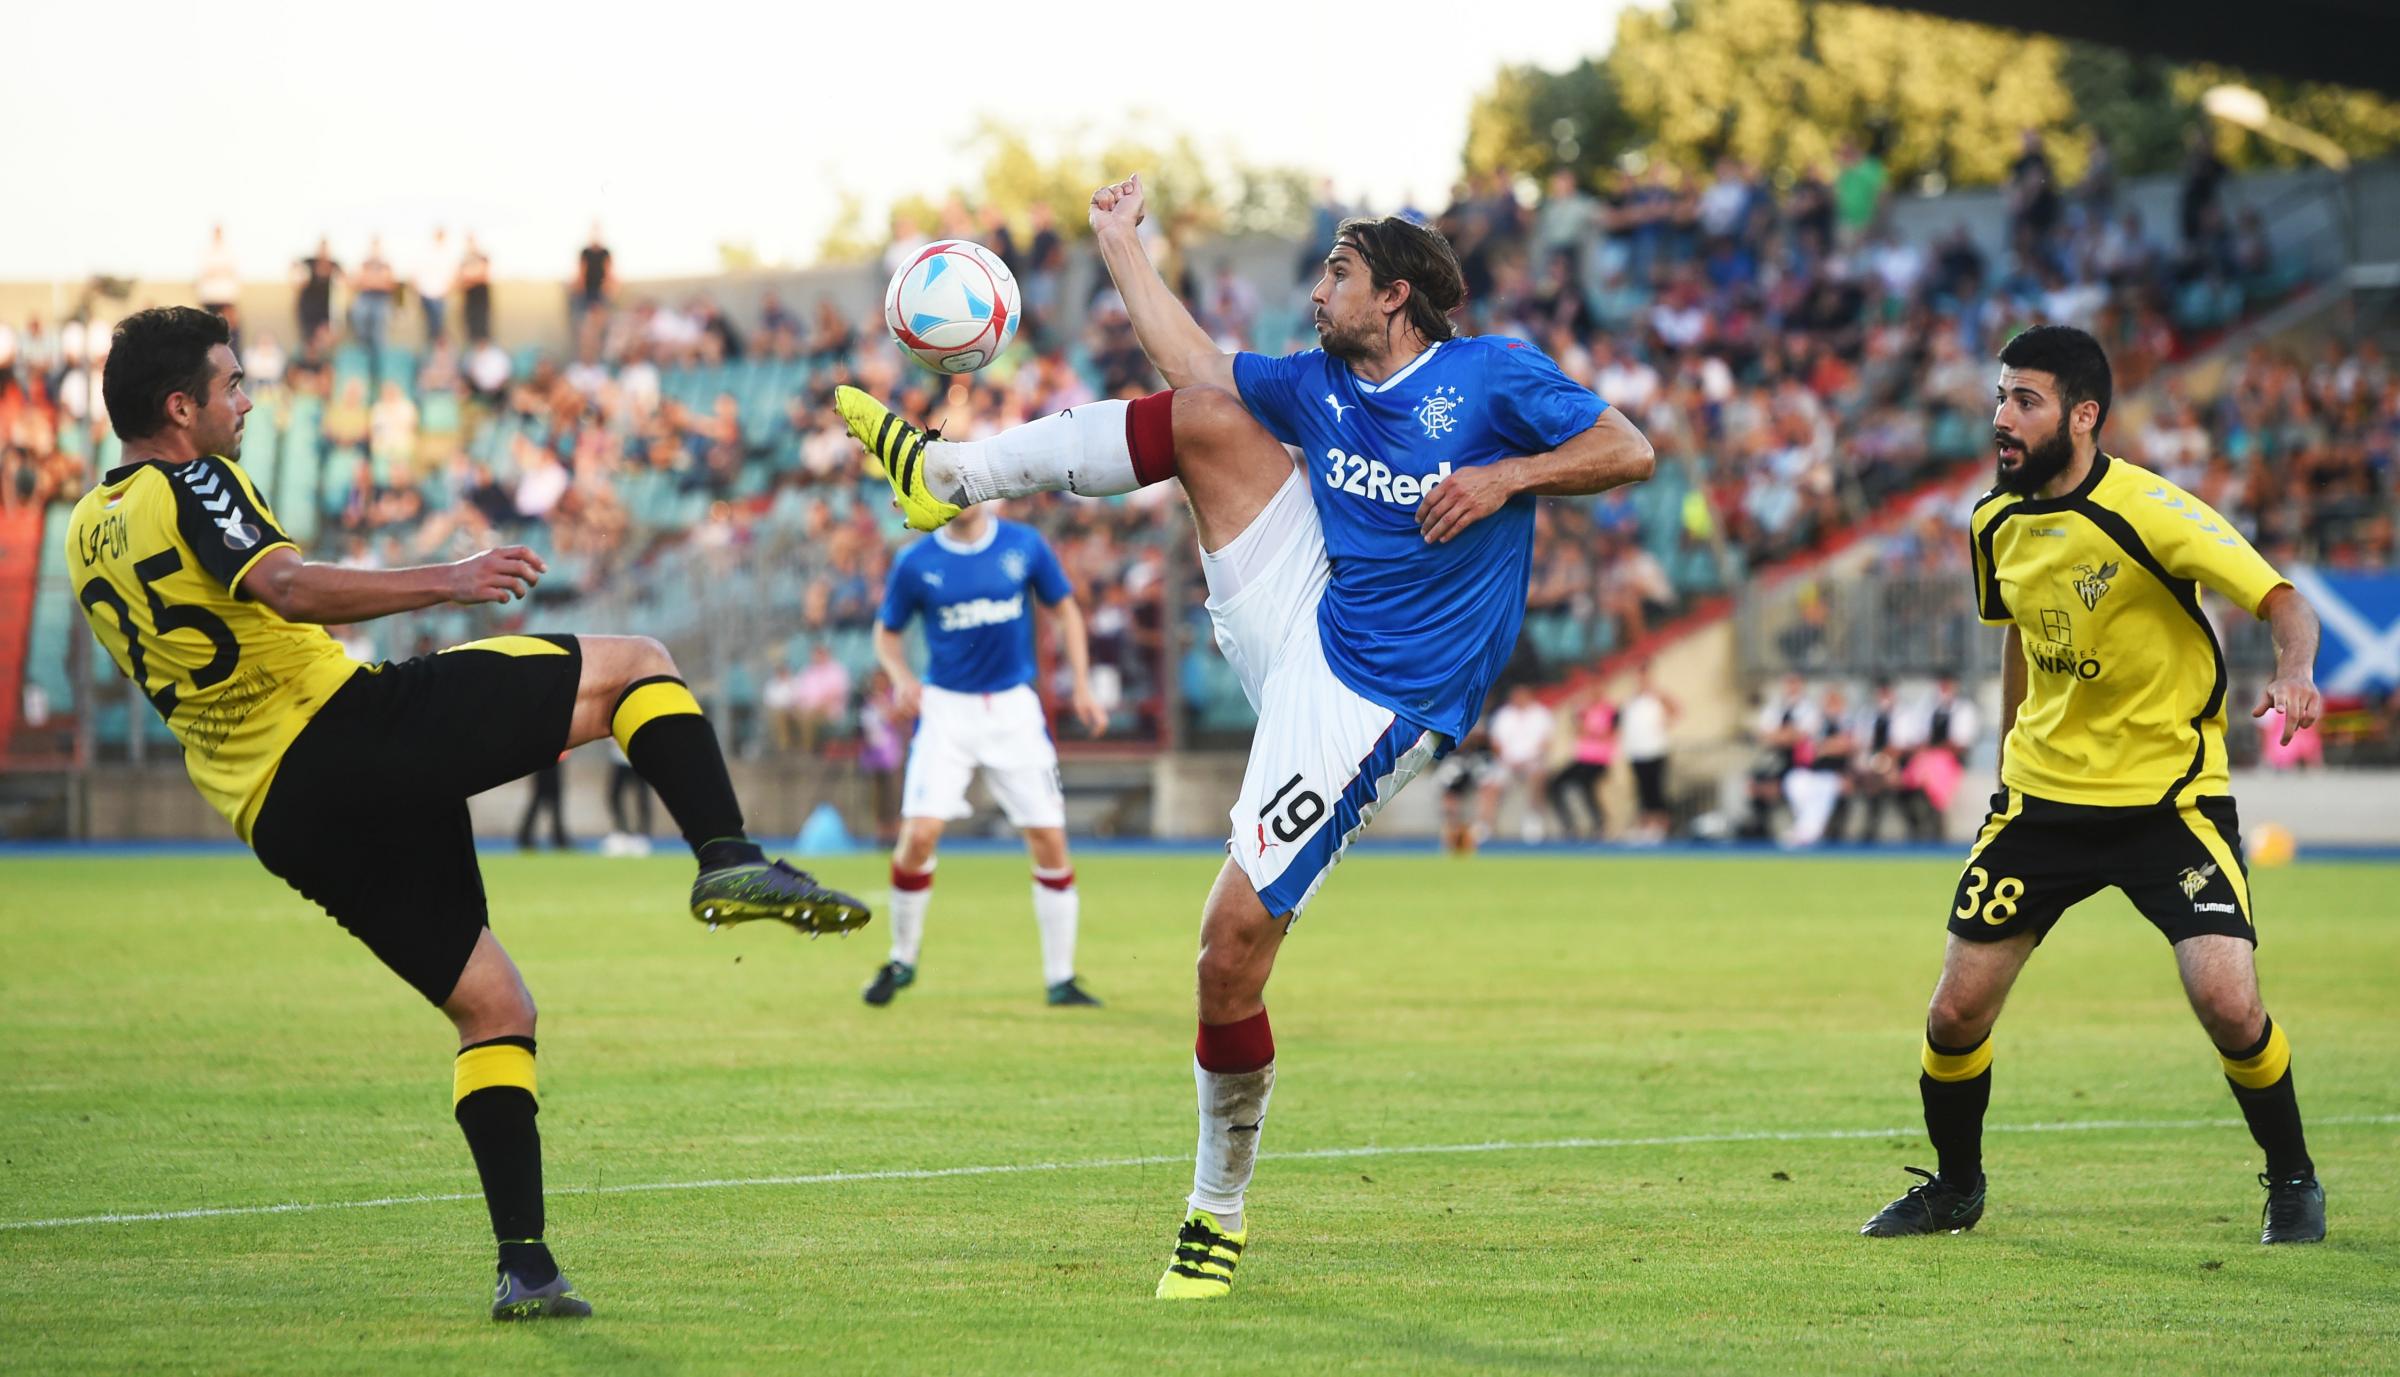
<point>974,584</point>
<point>1365,514</point>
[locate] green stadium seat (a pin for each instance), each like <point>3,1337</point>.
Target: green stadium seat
<point>261,450</point>
<point>54,616</point>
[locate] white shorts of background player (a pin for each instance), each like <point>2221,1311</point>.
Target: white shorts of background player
<point>1005,736</point>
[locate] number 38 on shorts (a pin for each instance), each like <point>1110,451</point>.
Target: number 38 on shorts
<point>1994,902</point>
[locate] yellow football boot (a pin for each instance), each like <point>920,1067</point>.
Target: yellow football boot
<point>900,448</point>
<point>1205,1254</point>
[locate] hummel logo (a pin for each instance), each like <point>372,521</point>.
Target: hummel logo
<point>1338,408</point>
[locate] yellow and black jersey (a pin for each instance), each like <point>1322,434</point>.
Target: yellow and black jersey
<point>157,554</point>
<point>2125,682</point>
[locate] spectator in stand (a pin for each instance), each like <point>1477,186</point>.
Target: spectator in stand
<point>313,278</point>
<point>2196,209</point>
<point>1521,743</point>
<point>372,290</point>
<point>1936,768</point>
<point>2096,194</point>
<point>1818,785</point>
<point>1880,761</point>
<point>220,284</point>
<point>2033,204</point>
<point>780,700</point>
<point>882,748</point>
<point>595,283</point>
<point>392,433</point>
<point>436,277</point>
<point>1857,192</point>
<point>821,696</point>
<point>475,291</point>
<point>1642,726</point>
<point>1595,751</point>
<point>1784,734</point>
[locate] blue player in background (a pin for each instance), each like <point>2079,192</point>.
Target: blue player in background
<point>1365,513</point>
<point>974,584</point>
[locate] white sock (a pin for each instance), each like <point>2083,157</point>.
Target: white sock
<point>1080,450</point>
<point>1054,912</point>
<point>908,918</point>
<point>1227,1157</point>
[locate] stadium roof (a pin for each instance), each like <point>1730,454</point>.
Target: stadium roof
<point>2349,42</point>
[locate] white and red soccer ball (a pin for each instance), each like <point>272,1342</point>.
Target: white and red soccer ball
<point>953,305</point>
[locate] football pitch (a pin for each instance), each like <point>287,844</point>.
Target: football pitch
<point>1533,1115</point>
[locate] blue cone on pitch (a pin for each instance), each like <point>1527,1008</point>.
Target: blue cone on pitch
<point>823,834</point>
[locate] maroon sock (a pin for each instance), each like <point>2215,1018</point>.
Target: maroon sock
<point>1233,1049</point>
<point>1150,436</point>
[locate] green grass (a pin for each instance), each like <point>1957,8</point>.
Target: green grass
<point>182,1032</point>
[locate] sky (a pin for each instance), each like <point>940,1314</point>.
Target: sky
<point>136,125</point>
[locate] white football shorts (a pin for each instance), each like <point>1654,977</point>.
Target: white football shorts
<point>1325,760</point>
<point>1002,734</point>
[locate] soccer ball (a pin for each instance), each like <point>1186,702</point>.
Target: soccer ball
<point>953,305</point>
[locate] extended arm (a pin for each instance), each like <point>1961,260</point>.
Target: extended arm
<point>2293,690</point>
<point>1183,353</point>
<point>328,594</point>
<point>1609,454</point>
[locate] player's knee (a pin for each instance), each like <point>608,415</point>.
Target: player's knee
<point>914,852</point>
<point>650,658</point>
<point>2231,1018</point>
<point>1956,1019</point>
<point>497,1012</point>
<point>1227,964</point>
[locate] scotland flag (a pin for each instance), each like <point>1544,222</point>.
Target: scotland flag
<point>2361,612</point>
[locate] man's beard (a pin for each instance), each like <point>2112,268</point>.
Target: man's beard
<point>2041,462</point>
<point>1350,346</point>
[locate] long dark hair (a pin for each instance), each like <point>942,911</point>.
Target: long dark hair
<point>1397,250</point>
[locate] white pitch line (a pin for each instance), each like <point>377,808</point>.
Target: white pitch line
<point>1826,1135</point>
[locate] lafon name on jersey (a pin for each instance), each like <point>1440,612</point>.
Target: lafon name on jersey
<point>107,537</point>
<point>1373,479</point>
<point>975,612</point>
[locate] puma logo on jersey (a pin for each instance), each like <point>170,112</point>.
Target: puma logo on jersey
<point>1338,408</point>
<point>966,616</point>
<point>1372,478</point>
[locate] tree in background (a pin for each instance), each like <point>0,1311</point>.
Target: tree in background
<point>1781,84</point>
<point>1532,121</point>
<point>1189,194</point>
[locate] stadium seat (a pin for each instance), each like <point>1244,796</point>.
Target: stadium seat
<point>54,615</point>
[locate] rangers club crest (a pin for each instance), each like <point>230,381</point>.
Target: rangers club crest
<point>1438,413</point>
<point>1012,563</point>
<point>2092,585</point>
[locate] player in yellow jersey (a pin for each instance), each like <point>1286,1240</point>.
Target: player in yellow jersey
<point>350,781</point>
<point>2113,770</point>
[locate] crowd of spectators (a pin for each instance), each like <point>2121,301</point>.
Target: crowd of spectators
<point>1794,361</point>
